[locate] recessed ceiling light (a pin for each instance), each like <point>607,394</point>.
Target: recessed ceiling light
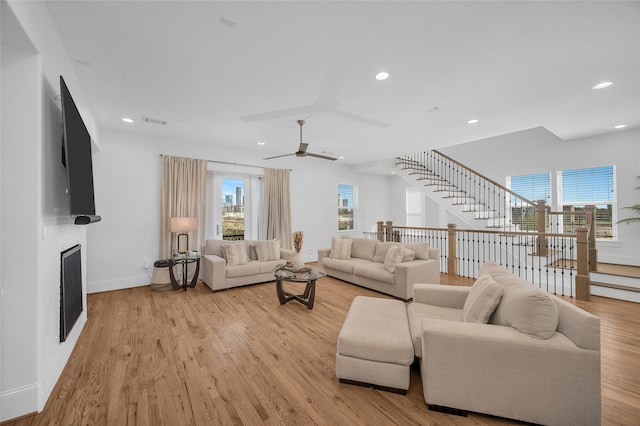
<point>383,75</point>
<point>260,142</point>
<point>620,126</point>
<point>341,158</point>
<point>472,121</point>
<point>127,120</point>
<point>602,85</point>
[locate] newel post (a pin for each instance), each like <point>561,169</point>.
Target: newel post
<point>542,249</point>
<point>452,259</point>
<point>591,227</point>
<point>389,231</point>
<point>380,230</point>
<point>583,281</point>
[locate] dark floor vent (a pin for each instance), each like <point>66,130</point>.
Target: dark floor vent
<point>71,305</point>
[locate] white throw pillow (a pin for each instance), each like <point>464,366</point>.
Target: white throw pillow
<point>268,250</point>
<point>236,253</point>
<point>340,248</point>
<point>482,300</point>
<point>393,257</point>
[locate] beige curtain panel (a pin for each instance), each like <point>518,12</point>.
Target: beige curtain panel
<point>276,207</point>
<point>184,194</point>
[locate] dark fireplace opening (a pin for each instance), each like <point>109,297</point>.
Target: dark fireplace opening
<point>71,305</point>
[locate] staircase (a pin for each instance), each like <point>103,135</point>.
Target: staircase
<point>483,204</point>
<point>476,200</point>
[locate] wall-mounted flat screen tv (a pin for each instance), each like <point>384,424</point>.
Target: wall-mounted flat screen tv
<point>76,157</point>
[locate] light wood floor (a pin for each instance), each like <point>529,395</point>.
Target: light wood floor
<point>238,357</point>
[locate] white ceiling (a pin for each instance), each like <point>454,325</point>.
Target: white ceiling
<point>511,65</point>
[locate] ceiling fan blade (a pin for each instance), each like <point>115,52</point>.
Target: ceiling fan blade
<point>324,157</point>
<point>360,118</point>
<point>303,147</point>
<point>278,156</point>
<point>278,113</point>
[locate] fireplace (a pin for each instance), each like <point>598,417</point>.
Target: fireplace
<point>71,305</point>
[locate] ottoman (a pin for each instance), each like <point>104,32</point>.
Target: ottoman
<point>374,345</point>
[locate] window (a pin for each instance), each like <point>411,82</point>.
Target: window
<point>346,207</point>
<point>592,186</point>
<point>415,207</point>
<point>232,209</point>
<point>533,187</point>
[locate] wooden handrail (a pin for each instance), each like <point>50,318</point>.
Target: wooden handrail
<point>504,188</point>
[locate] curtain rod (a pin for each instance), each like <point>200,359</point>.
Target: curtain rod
<point>233,164</point>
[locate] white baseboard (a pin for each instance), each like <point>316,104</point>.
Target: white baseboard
<point>117,284</point>
<point>19,402</point>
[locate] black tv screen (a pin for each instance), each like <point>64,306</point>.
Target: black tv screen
<point>76,157</point>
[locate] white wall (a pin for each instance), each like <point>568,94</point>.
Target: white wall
<point>127,184</point>
<point>35,225</point>
<point>537,150</point>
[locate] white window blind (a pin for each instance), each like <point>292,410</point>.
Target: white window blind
<point>533,187</point>
<point>415,208</point>
<point>589,186</point>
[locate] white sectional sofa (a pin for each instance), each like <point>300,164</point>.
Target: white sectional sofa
<point>535,358</point>
<point>227,264</point>
<point>364,262</point>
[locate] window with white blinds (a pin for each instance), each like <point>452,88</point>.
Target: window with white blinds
<point>533,187</point>
<point>415,207</point>
<point>590,186</point>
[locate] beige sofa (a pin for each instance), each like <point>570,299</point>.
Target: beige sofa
<point>364,264</point>
<point>224,265</point>
<point>528,355</point>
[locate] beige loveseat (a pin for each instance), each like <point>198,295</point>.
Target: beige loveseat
<point>505,348</point>
<point>227,264</point>
<point>363,263</point>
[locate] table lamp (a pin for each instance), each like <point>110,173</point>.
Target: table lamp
<point>183,225</point>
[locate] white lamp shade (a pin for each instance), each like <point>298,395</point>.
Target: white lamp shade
<point>183,224</point>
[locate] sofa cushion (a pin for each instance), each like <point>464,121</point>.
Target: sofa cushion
<point>251,249</point>
<point>534,313</point>
<point>269,265</point>
<point>214,247</point>
<point>407,255</point>
<point>527,309</point>
<point>340,248</point>
<point>421,250</point>
<point>381,251</point>
<point>236,253</point>
<point>482,300</point>
<point>268,250</point>
<point>393,257</point>
<point>343,265</point>
<point>362,248</point>
<point>420,311</point>
<point>251,268</point>
<point>374,271</point>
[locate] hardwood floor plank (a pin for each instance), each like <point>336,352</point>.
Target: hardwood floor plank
<point>238,357</point>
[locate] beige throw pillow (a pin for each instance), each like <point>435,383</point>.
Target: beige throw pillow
<point>482,300</point>
<point>236,254</point>
<point>408,255</point>
<point>268,250</point>
<point>340,248</point>
<point>534,312</point>
<point>393,257</point>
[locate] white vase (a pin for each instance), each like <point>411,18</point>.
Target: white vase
<point>298,261</point>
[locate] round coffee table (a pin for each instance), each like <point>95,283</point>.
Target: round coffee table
<point>307,275</point>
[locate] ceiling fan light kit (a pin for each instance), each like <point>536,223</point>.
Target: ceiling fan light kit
<point>302,149</point>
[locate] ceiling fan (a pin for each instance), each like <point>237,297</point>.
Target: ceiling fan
<point>302,149</point>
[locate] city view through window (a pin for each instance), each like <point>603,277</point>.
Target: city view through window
<point>345,207</point>
<point>232,209</point>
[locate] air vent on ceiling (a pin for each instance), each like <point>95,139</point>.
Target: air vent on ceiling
<point>154,121</point>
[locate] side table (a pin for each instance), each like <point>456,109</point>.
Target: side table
<point>184,260</point>
<point>304,275</point>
